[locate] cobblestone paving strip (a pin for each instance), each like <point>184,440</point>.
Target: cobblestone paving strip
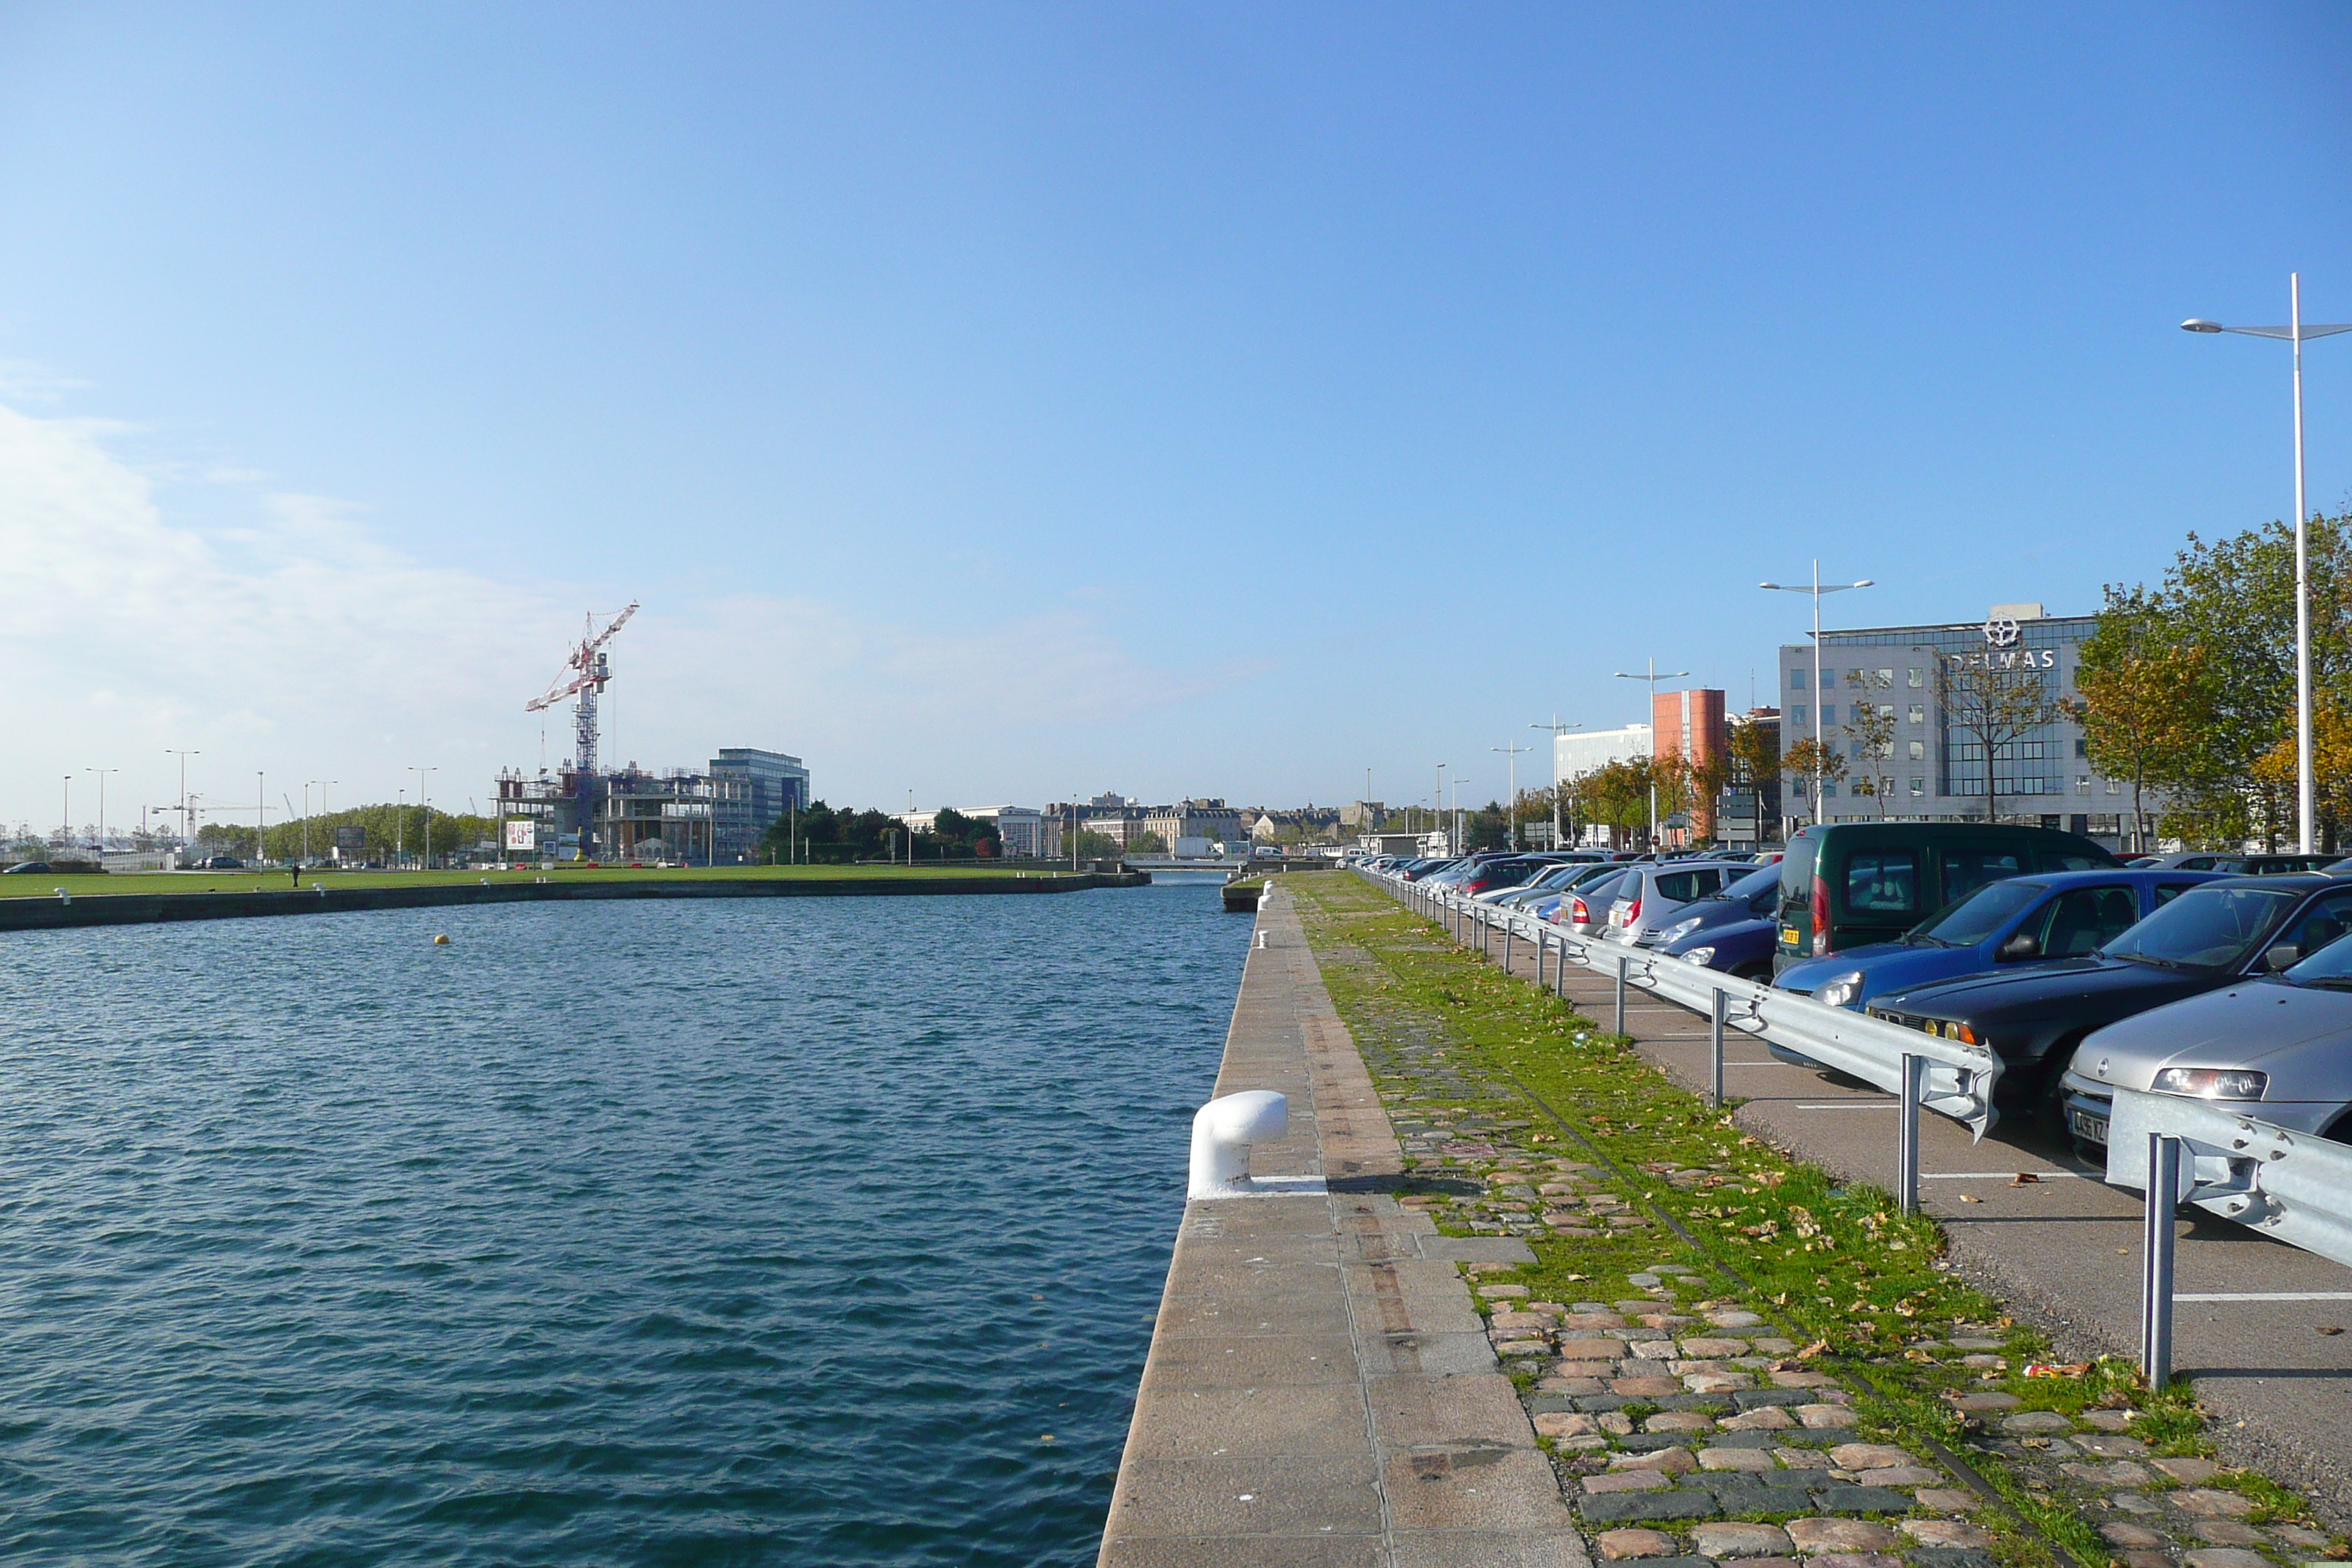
<point>1730,1358</point>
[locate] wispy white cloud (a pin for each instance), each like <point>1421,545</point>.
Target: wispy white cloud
<point>295,640</point>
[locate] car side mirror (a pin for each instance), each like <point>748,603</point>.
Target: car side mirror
<point>2025,944</point>
<point>2286,956</point>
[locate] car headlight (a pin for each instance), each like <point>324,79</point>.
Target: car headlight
<point>2213,1083</point>
<point>1699,955</point>
<point>1842,990</point>
<point>1678,930</point>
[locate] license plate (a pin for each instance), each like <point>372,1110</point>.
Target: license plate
<point>1788,936</point>
<point>2089,1128</point>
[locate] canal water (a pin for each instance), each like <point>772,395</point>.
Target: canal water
<point>793,1231</point>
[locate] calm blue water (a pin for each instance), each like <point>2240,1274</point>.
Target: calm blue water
<point>759,1231</point>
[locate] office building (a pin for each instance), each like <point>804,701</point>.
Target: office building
<point>1932,766</point>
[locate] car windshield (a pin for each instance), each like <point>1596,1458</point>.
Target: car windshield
<point>1764,881</point>
<point>1970,921</point>
<point>2207,927</point>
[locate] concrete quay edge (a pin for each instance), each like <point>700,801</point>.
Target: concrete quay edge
<point>37,913</point>
<point>1321,1391</point>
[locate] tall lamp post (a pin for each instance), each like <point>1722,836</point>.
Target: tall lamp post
<point>1437,807</point>
<point>2295,333</point>
<point>101,774</point>
<point>187,835</point>
<point>66,836</point>
<point>424,800</point>
<point>1817,589</point>
<point>1512,817</point>
<point>1558,822</point>
<point>1652,677</point>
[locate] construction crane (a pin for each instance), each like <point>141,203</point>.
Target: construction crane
<point>584,675</point>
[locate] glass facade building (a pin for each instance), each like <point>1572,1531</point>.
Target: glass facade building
<point>1890,703</point>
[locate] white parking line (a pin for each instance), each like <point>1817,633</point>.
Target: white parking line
<point>1854,1105</point>
<point>2268,1296</point>
<point>1998,1176</point>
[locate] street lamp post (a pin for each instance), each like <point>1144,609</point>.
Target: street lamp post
<point>1511,816</point>
<point>1437,806</point>
<point>2295,333</point>
<point>66,837</point>
<point>186,833</point>
<point>101,774</point>
<point>424,801</point>
<point>1652,677</point>
<point>1817,589</point>
<point>1558,822</point>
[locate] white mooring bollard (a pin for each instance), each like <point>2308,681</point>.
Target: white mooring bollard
<point>1222,1132</point>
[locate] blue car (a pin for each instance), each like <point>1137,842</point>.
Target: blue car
<point>1739,947</point>
<point>2024,920</point>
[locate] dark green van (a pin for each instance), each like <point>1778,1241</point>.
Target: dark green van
<point>1848,884</point>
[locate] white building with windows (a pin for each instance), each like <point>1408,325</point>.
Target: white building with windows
<point>1932,769</point>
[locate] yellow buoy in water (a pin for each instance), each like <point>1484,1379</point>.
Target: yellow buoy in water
<point>441,941</point>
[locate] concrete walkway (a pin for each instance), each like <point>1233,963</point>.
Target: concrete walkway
<point>1321,1391</point>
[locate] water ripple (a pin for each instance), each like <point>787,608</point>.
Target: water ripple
<point>698,1232</point>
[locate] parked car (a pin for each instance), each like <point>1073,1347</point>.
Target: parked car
<point>2215,935</point>
<point>221,863</point>
<point>2240,864</point>
<point>28,869</point>
<point>1501,874</point>
<point>2276,1046</point>
<point>1714,930</point>
<point>1544,883</point>
<point>2025,920</point>
<point>1544,904</point>
<point>1848,884</point>
<point>1584,911</point>
<point>1741,947</point>
<point>1649,897</point>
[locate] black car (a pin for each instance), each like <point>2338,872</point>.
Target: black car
<point>28,869</point>
<point>2208,937</point>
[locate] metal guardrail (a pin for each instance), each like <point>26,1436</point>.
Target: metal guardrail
<point>2292,1185</point>
<point>1922,1070</point>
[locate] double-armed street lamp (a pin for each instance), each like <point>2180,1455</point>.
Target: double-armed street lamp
<point>1512,817</point>
<point>101,774</point>
<point>1559,821</point>
<point>187,829</point>
<point>424,800</point>
<point>2295,333</point>
<point>1652,677</point>
<point>1817,588</point>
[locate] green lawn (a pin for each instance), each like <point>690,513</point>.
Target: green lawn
<point>45,885</point>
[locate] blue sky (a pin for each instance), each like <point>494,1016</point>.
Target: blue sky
<point>1000,402</point>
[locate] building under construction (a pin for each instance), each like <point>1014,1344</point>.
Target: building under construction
<point>684,816</point>
<point>581,812</point>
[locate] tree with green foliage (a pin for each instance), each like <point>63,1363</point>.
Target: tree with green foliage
<point>2214,644</point>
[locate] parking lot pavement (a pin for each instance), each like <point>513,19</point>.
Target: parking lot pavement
<point>2254,1317</point>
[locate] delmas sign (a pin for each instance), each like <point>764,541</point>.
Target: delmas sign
<point>2001,635</point>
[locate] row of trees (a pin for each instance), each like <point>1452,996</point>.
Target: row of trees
<point>827,835</point>
<point>388,829</point>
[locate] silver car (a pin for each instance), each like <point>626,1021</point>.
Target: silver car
<point>2278,1048</point>
<point>1584,908</point>
<point>1545,885</point>
<point>1650,895</point>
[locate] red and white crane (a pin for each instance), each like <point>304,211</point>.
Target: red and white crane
<point>584,675</point>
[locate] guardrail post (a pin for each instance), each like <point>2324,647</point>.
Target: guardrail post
<point>1543,951</point>
<point>1715,1050</point>
<point>1560,971</point>
<point>1620,993</point>
<point>1506,946</point>
<point>2156,1259</point>
<point>1906,1147</point>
